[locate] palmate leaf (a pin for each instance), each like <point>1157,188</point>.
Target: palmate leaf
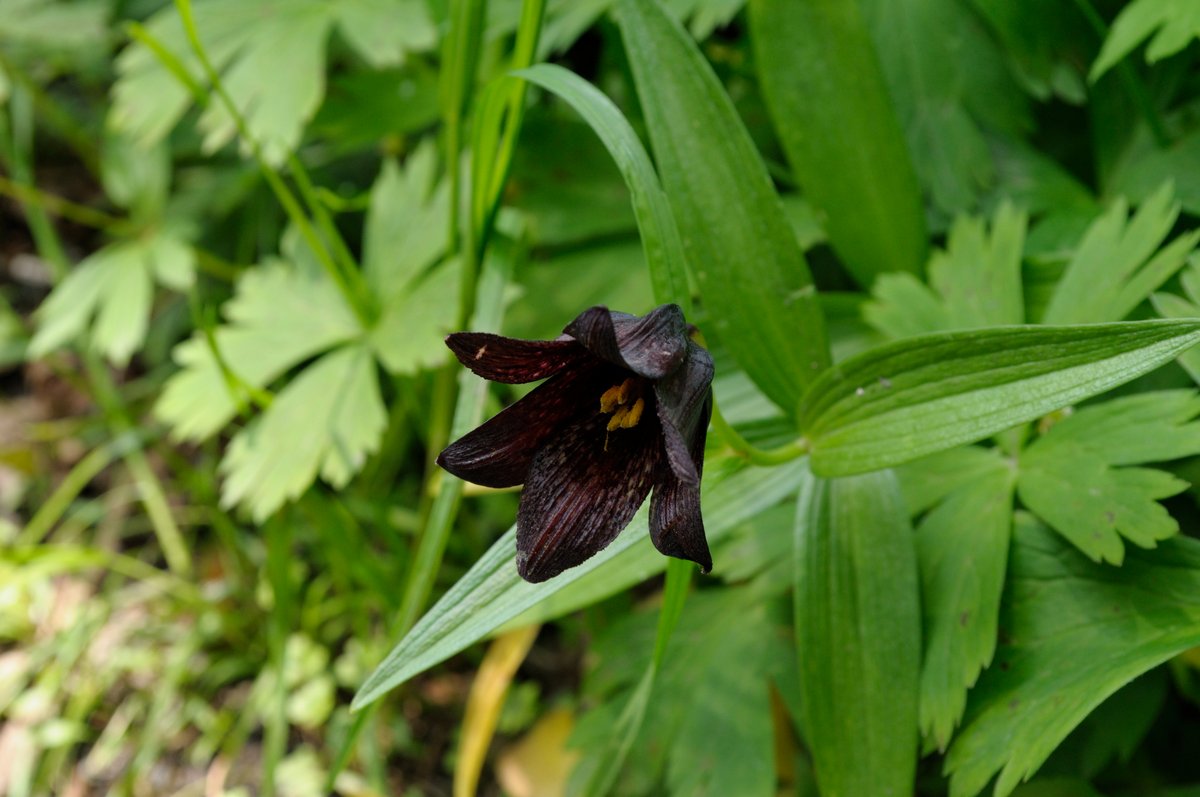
<point>110,293</point>
<point>904,400</point>
<point>1117,265</point>
<point>1174,24</point>
<point>284,313</point>
<point>1071,476</point>
<point>271,55</point>
<point>974,282</point>
<point>1074,632</point>
<point>337,405</point>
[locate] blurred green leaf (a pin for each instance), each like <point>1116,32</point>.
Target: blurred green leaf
<point>753,279</point>
<point>728,647</point>
<point>1147,164</point>
<point>962,547</point>
<point>405,229</point>
<point>278,317</point>
<point>974,282</point>
<point>1174,24</point>
<point>1075,632</point>
<point>271,56</point>
<point>1115,268</point>
<point>134,177</point>
<point>949,83</point>
<point>858,634</point>
<point>491,593</point>
<point>829,102</point>
<point>112,290</point>
<point>1071,476</point>
<point>917,396</point>
<point>1043,42</point>
<point>336,402</point>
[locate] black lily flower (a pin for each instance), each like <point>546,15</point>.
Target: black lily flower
<point>624,408</point>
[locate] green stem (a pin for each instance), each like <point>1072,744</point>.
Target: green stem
<point>756,456</point>
<point>286,198</point>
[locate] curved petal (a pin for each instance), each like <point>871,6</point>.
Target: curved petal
<point>511,360</point>
<point>499,453</point>
<point>676,525</point>
<point>684,406</point>
<point>584,486</point>
<point>651,346</point>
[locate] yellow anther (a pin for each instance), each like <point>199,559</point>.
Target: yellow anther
<point>617,395</point>
<point>627,417</point>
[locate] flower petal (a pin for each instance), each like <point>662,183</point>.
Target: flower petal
<point>579,495</point>
<point>676,525</point>
<point>684,406</point>
<point>499,453</point>
<point>511,360</point>
<point>651,346</point>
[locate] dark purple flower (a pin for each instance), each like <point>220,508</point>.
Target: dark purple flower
<point>624,408</point>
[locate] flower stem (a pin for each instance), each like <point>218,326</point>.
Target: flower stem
<point>745,449</point>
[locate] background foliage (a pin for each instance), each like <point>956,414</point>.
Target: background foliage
<point>943,252</point>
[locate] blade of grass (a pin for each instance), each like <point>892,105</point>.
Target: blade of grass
<point>651,207</point>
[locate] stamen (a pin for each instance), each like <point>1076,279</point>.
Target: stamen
<point>616,402</point>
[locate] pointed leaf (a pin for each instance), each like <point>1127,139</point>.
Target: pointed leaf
<point>1177,22</point>
<point>491,593</point>
<point>914,397</point>
<point>752,275</point>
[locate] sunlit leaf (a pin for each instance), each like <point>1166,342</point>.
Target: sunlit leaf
<point>112,291</point>
<point>271,56</point>
<point>336,402</point>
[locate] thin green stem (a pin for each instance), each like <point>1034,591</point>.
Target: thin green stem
<point>756,456</point>
<point>80,214</point>
<point>286,198</point>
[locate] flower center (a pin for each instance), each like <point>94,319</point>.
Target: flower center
<point>624,403</point>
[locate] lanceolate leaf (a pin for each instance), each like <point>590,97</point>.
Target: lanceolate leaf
<point>823,85</point>
<point>752,275</point>
<point>858,634</point>
<point>491,593</point>
<point>1174,23</point>
<point>925,394</point>
<point>1075,632</point>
